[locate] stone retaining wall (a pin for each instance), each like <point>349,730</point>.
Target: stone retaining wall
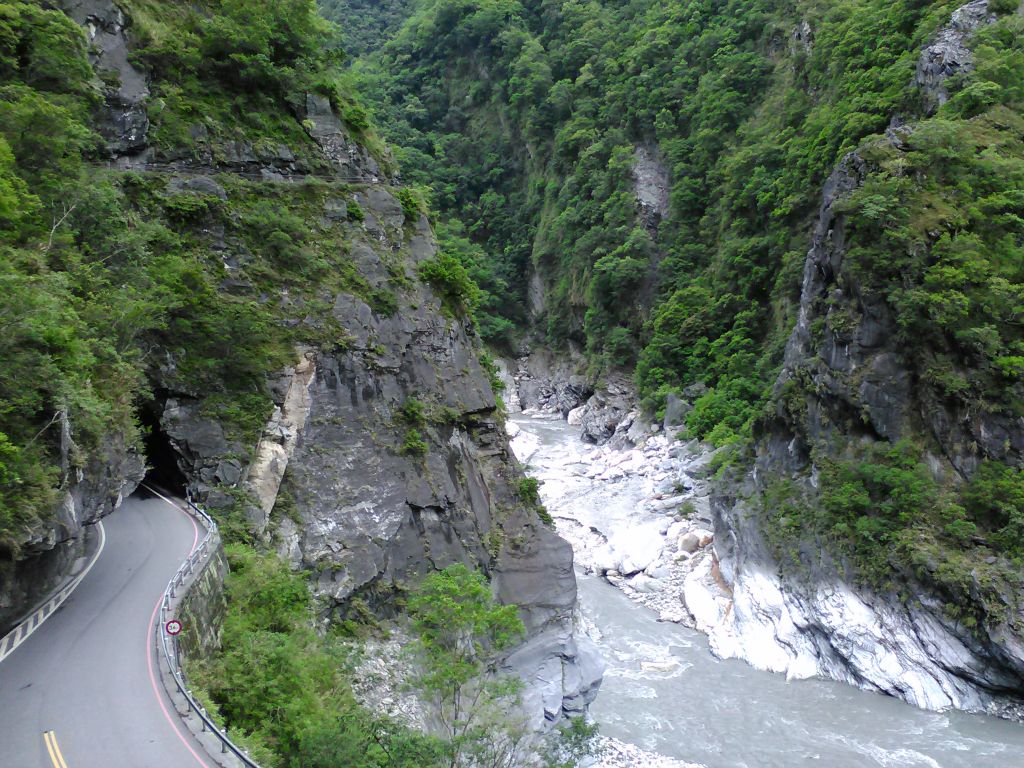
<point>203,608</point>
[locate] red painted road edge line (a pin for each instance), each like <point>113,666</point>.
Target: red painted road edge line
<point>174,723</point>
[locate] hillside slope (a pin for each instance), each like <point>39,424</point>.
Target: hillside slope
<point>226,283</point>
<point>646,181</point>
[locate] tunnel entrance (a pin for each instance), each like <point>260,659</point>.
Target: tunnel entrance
<point>164,473</point>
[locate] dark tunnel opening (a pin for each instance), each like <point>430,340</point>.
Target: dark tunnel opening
<point>164,473</point>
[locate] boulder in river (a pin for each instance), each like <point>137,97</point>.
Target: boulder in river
<point>689,542</point>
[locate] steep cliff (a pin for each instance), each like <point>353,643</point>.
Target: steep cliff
<point>49,550</point>
<point>849,557</point>
<point>386,456</point>
<point>286,327</point>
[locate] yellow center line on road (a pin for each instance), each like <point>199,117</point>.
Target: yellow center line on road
<point>50,738</point>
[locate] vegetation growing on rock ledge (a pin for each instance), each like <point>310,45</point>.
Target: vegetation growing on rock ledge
<point>749,106</point>
<point>101,269</point>
<point>890,521</point>
<point>284,691</point>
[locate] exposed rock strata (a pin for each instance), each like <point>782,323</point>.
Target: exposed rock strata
<point>652,187</point>
<point>49,550</point>
<point>701,562</point>
<point>818,624</point>
<point>860,384</point>
<point>277,446</point>
<point>351,159</point>
<point>949,53</point>
<point>125,123</point>
<point>369,518</point>
<point>545,383</point>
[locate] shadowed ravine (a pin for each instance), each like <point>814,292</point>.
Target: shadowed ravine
<point>666,693</point>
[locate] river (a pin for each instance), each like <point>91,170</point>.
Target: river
<point>666,693</point>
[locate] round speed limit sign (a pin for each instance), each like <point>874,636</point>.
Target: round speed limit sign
<point>173,627</point>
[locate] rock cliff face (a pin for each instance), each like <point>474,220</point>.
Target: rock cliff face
<point>652,187</point>
<point>858,385</point>
<point>547,382</point>
<point>335,487</point>
<point>385,455</point>
<point>606,412</point>
<point>124,123</point>
<point>949,54</point>
<point>49,551</point>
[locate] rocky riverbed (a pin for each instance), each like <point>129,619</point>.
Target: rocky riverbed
<point>640,523</point>
<point>657,547</point>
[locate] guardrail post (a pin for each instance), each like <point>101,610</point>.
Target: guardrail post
<point>172,650</point>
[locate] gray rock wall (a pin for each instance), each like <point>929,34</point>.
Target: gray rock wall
<point>203,608</point>
<point>124,124</point>
<point>331,486</point>
<point>949,53</point>
<point>49,549</point>
<point>851,383</point>
<point>651,185</point>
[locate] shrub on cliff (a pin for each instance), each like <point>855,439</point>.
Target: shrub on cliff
<point>452,283</point>
<point>461,632</point>
<point>286,688</point>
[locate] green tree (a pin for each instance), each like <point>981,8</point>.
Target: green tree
<point>461,632</point>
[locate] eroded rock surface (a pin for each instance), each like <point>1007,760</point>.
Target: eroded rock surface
<point>51,551</point>
<point>950,54</point>
<point>856,382</point>
<point>125,123</point>
<point>334,484</point>
<point>351,159</point>
<point>651,185</point>
<point>545,382</point>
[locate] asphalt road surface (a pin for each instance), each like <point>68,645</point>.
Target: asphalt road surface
<point>83,691</point>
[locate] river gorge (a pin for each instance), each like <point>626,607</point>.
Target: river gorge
<point>666,699</point>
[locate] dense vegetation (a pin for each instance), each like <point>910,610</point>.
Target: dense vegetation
<point>935,230</point>
<point>238,70</point>
<point>365,25</point>
<point>461,634</point>
<point>100,268</point>
<point>890,525</point>
<point>524,117</point>
<point>285,691</point>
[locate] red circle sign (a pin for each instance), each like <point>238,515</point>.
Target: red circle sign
<point>173,627</point>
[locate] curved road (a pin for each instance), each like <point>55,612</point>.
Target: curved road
<point>83,691</point>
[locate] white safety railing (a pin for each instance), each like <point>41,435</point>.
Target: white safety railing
<point>169,647</point>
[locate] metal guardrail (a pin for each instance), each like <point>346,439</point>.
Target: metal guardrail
<point>169,646</point>
<point>22,630</point>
